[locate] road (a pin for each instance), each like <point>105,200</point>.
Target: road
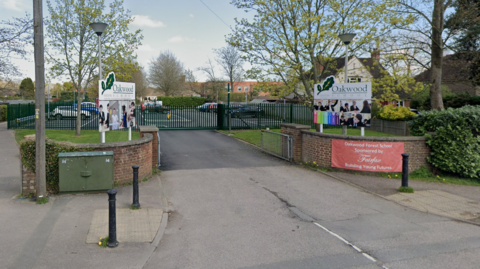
<point>236,207</point>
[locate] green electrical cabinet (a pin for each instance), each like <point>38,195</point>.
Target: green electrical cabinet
<point>85,171</point>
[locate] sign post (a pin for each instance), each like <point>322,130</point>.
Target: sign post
<point>116,105</point>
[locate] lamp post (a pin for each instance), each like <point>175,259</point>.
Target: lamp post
<point>346,39</point>
<point>99,28</point>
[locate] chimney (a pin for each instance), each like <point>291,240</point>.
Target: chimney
<point>375,54</point>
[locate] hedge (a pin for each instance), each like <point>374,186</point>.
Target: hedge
<point>3,112</point>
<point>181,100</point>
<point>391,113</point>
<point>453,136</point>
<point>52,149</point>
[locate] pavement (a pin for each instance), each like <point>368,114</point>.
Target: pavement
<point>232,206</point>
<point>64,233</point>
<point>458,202</point>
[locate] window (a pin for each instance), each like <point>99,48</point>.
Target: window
<point>354,80</point>
<point>246,89</point>
<point>239,88</point>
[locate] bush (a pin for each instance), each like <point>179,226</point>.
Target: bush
<point>181,100</point>
<point>455,145</point>
<point>52,149</point>
<point>3,112</point>
<point>399,113</point>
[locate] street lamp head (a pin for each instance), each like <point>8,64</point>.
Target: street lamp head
<point>98,27</point>
<point>347,38</point>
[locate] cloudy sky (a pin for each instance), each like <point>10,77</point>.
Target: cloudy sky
<point>188,28</point>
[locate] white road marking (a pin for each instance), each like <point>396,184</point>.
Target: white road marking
<point>359,250</point>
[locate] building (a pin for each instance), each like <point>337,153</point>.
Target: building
<point>455,72</point>
<point>359,70</point>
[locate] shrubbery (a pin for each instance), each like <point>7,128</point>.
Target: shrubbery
<point>3,112</point>
<point>52,149</point>
<point>181,100</point>
<point>456,143</point>
<point>399,113</point>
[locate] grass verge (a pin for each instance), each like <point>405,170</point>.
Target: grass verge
<point>87,136</point>
<point>254,136</point>
<point>423,174</point>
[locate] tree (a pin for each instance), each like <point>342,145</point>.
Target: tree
<point>73,46</point>
<point>27,88</point>
<point>15,36</point>
<point>139,77</point>
<point>286,39</point>
<point>430,27</point>
<point>166,73</point>
<point>464,24</point>
<point>231,62</point>
<point>191,82</point>
<point>215,84</point>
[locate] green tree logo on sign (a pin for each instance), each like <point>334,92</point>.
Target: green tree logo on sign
<point>327,84</point>
<point>109,84</point>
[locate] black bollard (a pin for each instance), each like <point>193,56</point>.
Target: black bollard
<point>405,170</point>
<point>112,219</point>
<point>135,187</point>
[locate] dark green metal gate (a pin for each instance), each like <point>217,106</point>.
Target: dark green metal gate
<point>243,116</point>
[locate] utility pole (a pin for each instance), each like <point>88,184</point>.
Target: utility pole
<point>39,99</point>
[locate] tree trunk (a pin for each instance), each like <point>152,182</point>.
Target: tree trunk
<point>437,56</point>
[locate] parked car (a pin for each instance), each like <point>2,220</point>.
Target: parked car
<point>61,112</point>
<point>88,106</point>
<point>241,112</point>
<point>152,107</point>
<point>208,107</point>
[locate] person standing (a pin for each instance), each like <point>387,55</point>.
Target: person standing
<point>354,106</point>
<point>366,107</point>
<point>124,117</point>
<point>101,118</point>
<point>132,115</point>
<point>107,119</point>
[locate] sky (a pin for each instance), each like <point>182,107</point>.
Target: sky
<point>188,28</point>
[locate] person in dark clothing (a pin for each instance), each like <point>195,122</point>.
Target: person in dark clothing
<point>356,121</point>
<point>354,106</point>
<point>344,108</point>
<point>366,107</point>
<point>101,117</point>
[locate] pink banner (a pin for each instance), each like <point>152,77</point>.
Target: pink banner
<point>367,156</point>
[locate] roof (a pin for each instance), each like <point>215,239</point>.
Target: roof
<point>455,74</point>
<point>339,63</point>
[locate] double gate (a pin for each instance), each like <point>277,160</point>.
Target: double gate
<point>242,116</point>
<point>237,116</point>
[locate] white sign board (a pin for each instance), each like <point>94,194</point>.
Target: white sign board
<point>109,89</point>
<point>337,91</point>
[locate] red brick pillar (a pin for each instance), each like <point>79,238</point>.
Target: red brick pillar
<point>151,130</point>
<point>295,130</point>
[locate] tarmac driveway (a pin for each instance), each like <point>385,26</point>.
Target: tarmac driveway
<point>236,207</point>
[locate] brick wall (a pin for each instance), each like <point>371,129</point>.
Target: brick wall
<point>28,181</point>
<point>153,131</point>
<point>125,154</point>
<point>313,146</point>
<point>295,130</point>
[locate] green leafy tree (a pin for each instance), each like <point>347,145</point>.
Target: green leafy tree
<point>464,25</point>
<point>27,88</point>
<point>287,39</point>
<point>72,47</point>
